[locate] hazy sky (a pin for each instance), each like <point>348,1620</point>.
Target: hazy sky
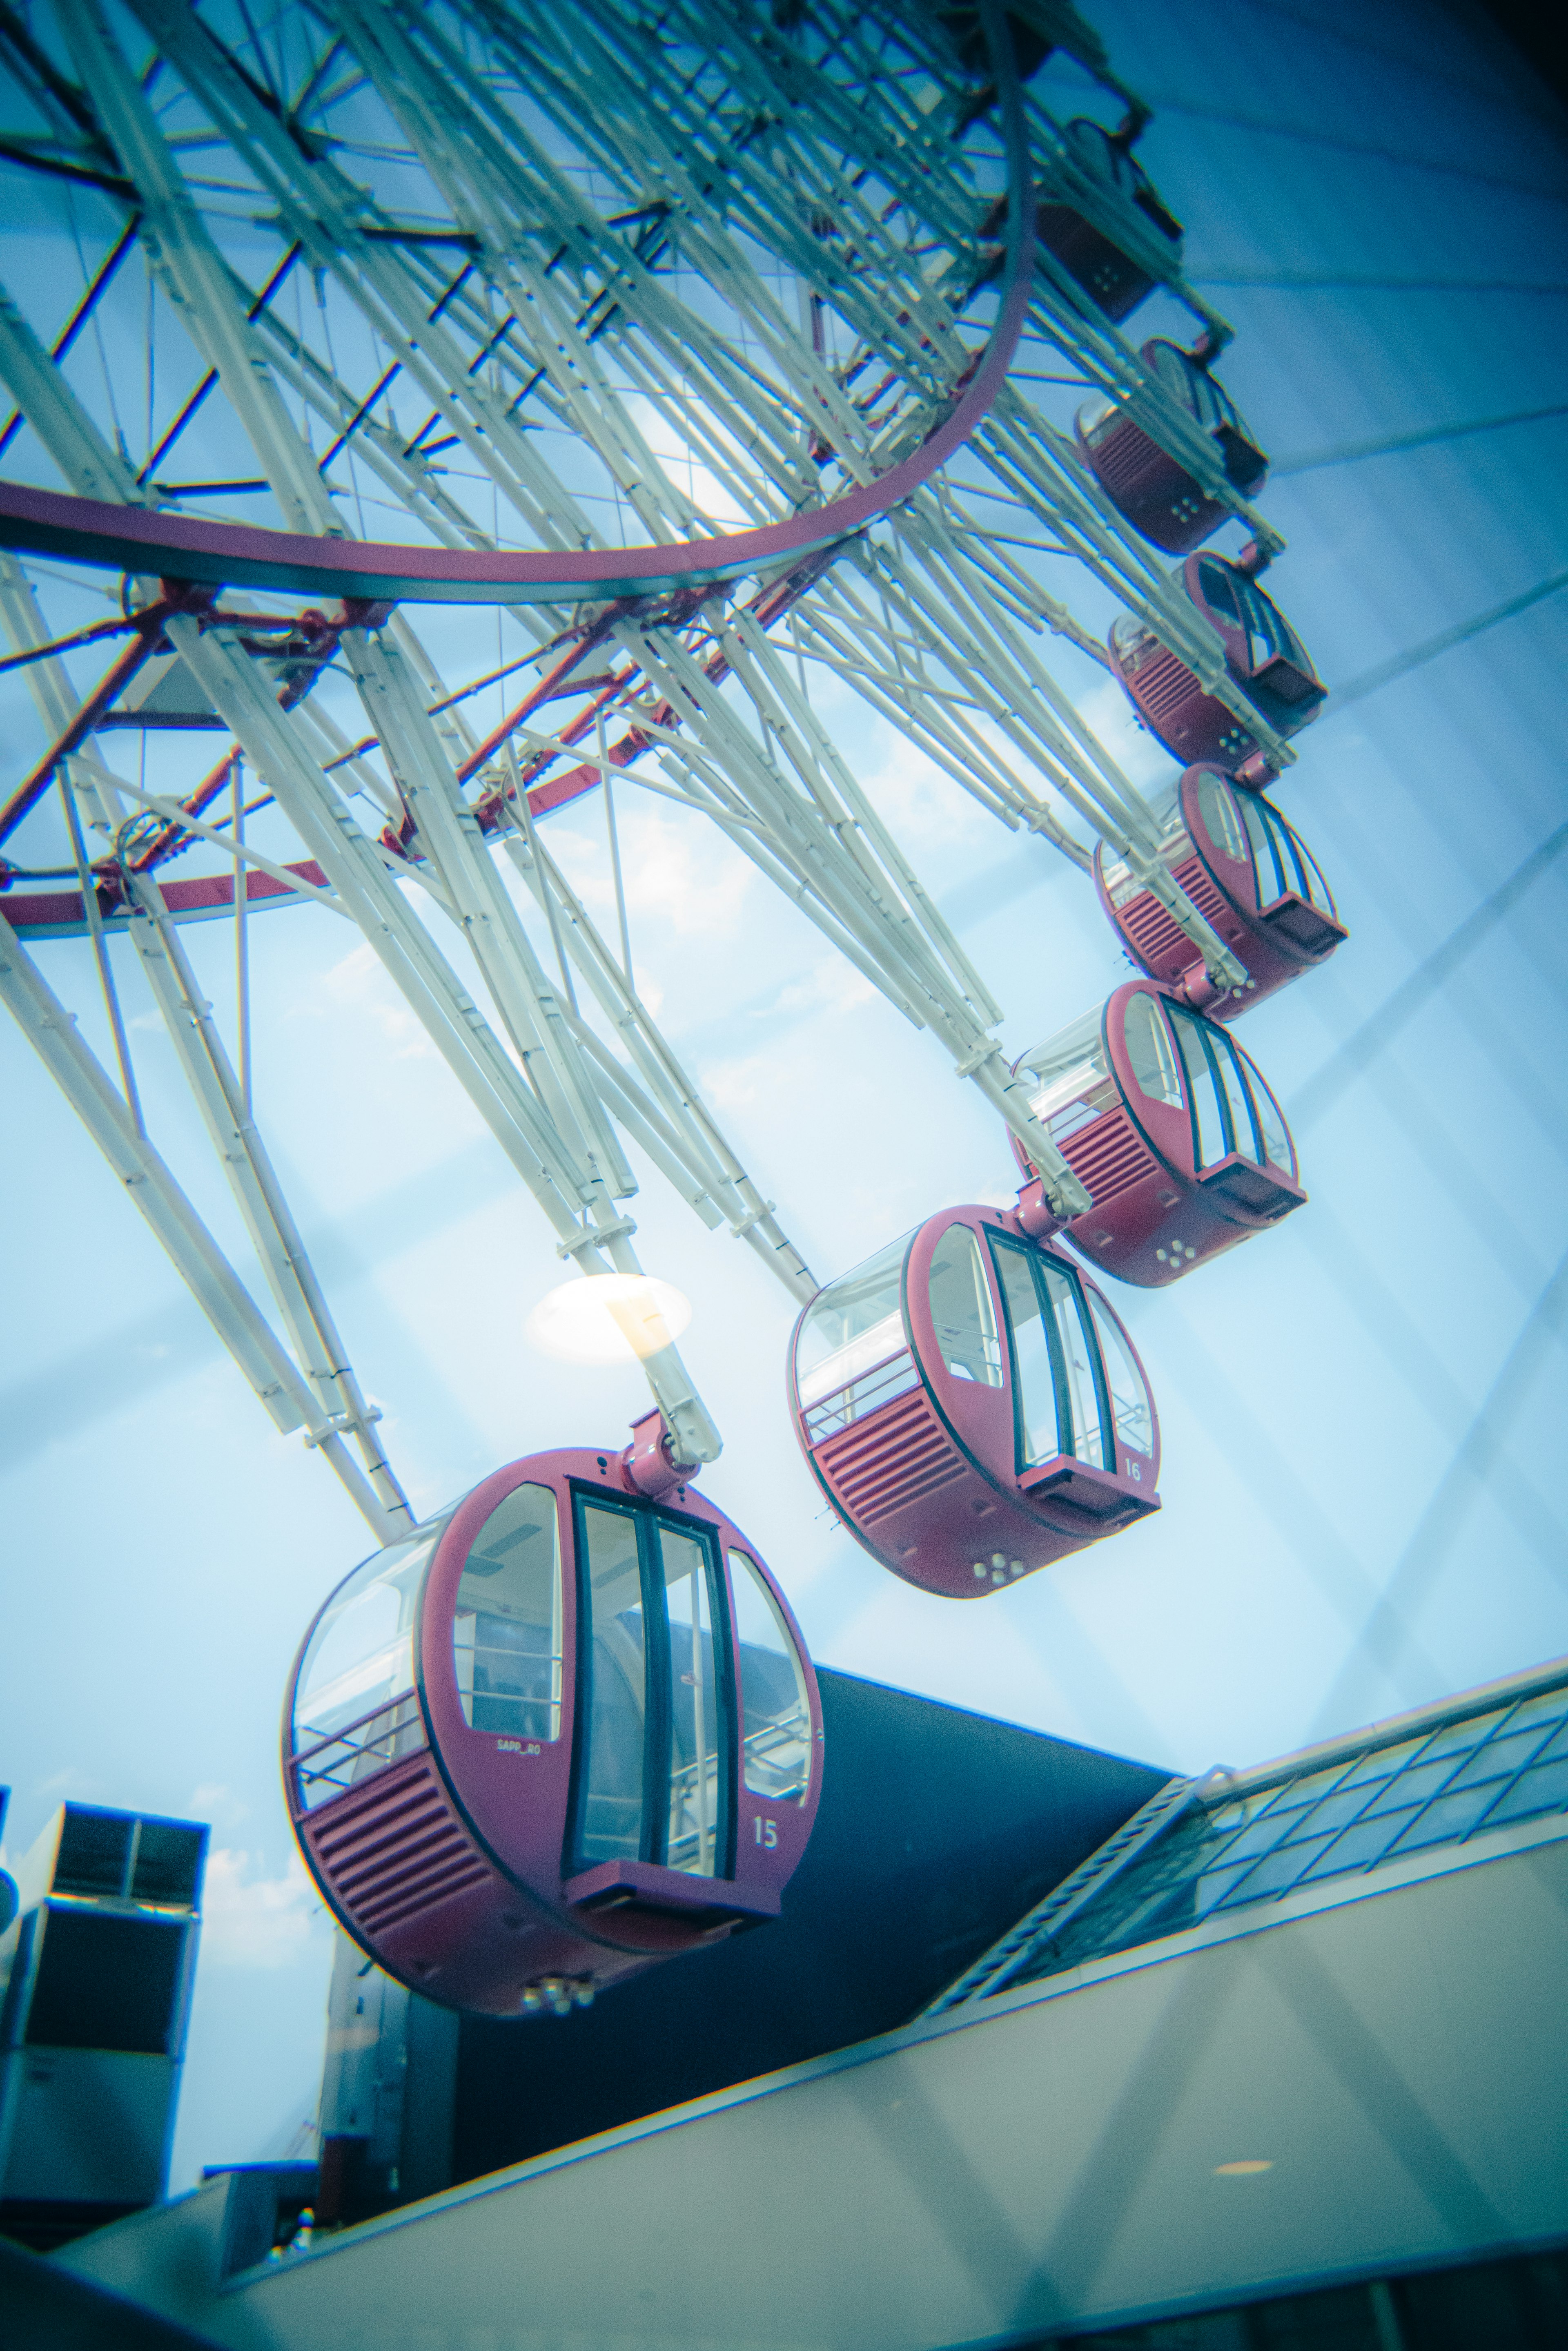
<point>1361,1411</point>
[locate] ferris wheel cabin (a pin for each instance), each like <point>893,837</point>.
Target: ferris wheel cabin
<point>559,1733</point>
<point>1148,487</point>
<point>972,1406</point>
<point>1248,872</point>
<point>1169,1128</point>
<point>1262,652</point>
<point>1117,281</point>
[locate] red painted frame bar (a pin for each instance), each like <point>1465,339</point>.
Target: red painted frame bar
<point>173,547</point>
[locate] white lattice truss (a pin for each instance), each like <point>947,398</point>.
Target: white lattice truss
<point>563,279</point>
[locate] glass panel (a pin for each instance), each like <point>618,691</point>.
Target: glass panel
<point>1067,1066</point>
<point>775,1717</point>
<point>1362,1844</point>
<point>1218,592</point>
<point>1278,1872</point>
<point>1415,1785</point>
<point>1033,1378</point>
<point>1288,862</point>
<point>609,1805</point>
<point>362,1653</point>
<point>506,1629</point>
<point>1448,1818</point>
<point>854,1323</point>
<point>1079,1362</point>
<point>1543,1789</point>
<point>1202,1089</point>
<point>1270,631</point>
<point>962,1309</point>
<point>1244,1136</point>
<point>1131,1403</point>
<point>1150,1050</point>
<point>1267,870</point>
<point>1500,1758</point>
<point>1216,807</point>
<point>1278,1148</point>
<point>1335,1812</point>
<point>1383,1761</point>
<point>695,1831</point>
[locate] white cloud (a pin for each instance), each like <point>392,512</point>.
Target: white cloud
<point>359,984</point>
<point>256,1922</point>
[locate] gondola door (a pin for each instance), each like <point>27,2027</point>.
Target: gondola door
<point>655,1766</point>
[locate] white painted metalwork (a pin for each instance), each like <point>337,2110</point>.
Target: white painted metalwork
<point>643,280</point>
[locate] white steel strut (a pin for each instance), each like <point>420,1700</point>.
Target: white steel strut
<point>577,280</point>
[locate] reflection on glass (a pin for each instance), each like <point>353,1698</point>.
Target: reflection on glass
<point>1130,1400</point>
<point>1242,1138</point>
<point>1078,1350</point>
<point>1203,1089</point>
<point>775,1717</point>
<point>610,1807</point>
<point>506,1629</point>
<point>960,1309</point>
<point>854,1323</point>
<point>1150,1051</point>
<point>1034,1376</point>
<point>1216,807</point>
<point>355,1709</point>
<point>1066,1069</point>
<point>692,1829</point>
<point>1267,864</point>
<point>1278,1149</point>
<point>1219,589</point>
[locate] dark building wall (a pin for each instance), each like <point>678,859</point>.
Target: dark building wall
<point>937,1829</point>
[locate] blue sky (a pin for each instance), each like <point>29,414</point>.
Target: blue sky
<point>1361,1412</point>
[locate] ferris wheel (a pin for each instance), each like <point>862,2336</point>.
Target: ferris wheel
<point>723,351</point>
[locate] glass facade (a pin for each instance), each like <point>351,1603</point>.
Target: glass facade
<point>1224,1854</point>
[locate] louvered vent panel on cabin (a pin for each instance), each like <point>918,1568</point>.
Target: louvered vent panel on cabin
<point>1153,932</point>
<point>398,1849</point>
<point>891,1459</point>
<point>1122,458</point>
<point>1107,1156</point>
<point>1200,889</point>
<point>1163,683</point>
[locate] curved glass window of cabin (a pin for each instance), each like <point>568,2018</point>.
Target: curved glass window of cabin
<point>1244,1136</point>
<point>1175,847</point>
<point>1079,1359</point>
<point>1150,1052</point>
<point>852,1353</point>
<point>695,1825</point>
<point>1132,1406</point>
<point>1281,860</point>
<point>1133,641</point>
<point>775,1711</point>
<point>653,1772</point>
<point>1278,1148</point>
<point>962,1309</point>
<point>507,1626</point>
<point>1223,824</point>
<point>1219,586</point>
<point>1070,1079</point>
<point>355,1706</point>
<point>1035,1393</point>
<point>1192,387</point>
<point>1210,1131</point>
<point>614,1643</point>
